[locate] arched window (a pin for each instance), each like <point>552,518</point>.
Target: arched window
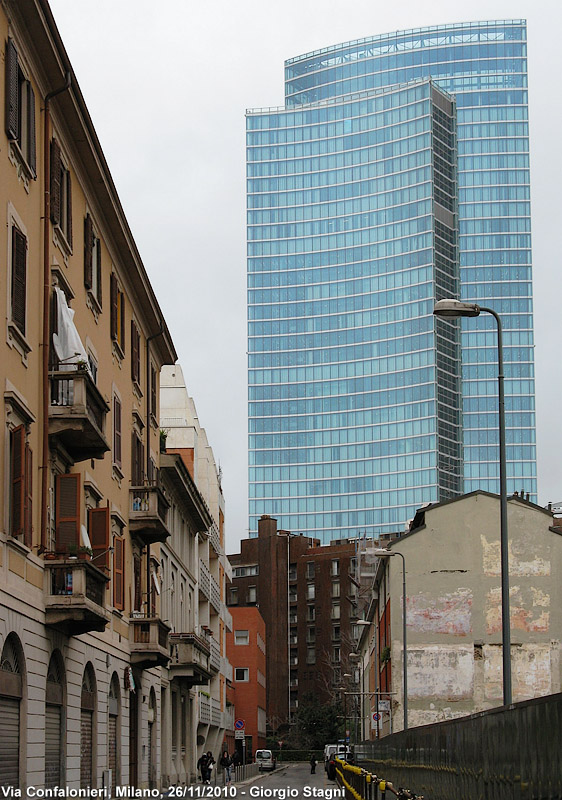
<point>87,713</point>
<point>114,732</point>
<point>11,694</point>
<point>54,722</point>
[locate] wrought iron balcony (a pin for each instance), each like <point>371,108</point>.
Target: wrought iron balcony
<point>77,414</point>
<point>149,642</point>
<point>148,514</point>
<point>75,596</point>
<point>190,658</point>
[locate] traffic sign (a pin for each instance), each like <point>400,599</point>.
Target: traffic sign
<point>376,717</point>
<point>384,705</point>
<point>239,725</point>
<point>239,734</point>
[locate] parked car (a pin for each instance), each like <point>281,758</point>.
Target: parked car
<point>337,750</point>
<point>265,759</point>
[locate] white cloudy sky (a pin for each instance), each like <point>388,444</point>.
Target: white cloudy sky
<point>167,86</point>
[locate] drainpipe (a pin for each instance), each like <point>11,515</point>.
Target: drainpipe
<point>148,340</point>
<point>46,309</point>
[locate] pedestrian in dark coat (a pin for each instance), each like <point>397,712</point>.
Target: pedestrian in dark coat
<point>313,763</point>
<point>332,769</point>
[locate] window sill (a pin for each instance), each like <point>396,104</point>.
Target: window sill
<point>137,390</point>
<point>15,544</point>
<point>62,243</point>
<point>117,474</point>
<point>17,158</point>
<point>93,304</point>
<point>17,340</point>
<point>117,351</point>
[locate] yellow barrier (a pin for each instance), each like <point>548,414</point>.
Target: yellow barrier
<point>369,778</point>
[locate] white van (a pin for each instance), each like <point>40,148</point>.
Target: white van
<point>338,750</point>
<point>265,759</point>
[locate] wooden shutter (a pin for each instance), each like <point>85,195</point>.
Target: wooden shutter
<point>122,321</point>
<point>153,405</point>
<point>98,531</point>
<point>135,353</point>
<point>119,573</point>
<point>113,301</point>
<point>68,209</point>
<point>88,247</point>
<point>28,505</point>
<point>12,92</point>
<point>19,258</point>
<point>117,430</point>
<point>137,461</point>
<point>67,512</point>
<point>137,583</point>
<point>55,183</point>
<point>31,149</point>
<point>97,267</point>
<point>18,481</point>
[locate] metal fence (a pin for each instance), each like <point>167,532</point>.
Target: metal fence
<point>510,753</point>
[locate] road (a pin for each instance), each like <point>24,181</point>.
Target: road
<point>290,782</point>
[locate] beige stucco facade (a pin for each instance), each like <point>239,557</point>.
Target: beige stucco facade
<point>453,606</point>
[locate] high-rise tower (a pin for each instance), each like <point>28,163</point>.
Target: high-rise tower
<point>344,393</point>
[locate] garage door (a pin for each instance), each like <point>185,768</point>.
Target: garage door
<point>52,746</point>
<point>9,741</point>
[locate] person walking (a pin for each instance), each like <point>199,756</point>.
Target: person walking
<point>226,764</point>
<point>210,764</point>
<point>202,767</point>
<point>313,763</point>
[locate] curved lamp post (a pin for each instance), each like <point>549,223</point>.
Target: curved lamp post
<point>456,308</point>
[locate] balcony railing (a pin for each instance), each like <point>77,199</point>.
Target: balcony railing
<point>75,596</point>
<point>148,514</point>
<point>204,580</point>
<point>229,716</point>
<point>214,538</point>
<point>77,412</point>
<point>226,617</point>
<point>216,713</point>
<point>149,642</point>
<point>204,710</point>
<point>215,656</point>
<point>190,658</point>
<point>226,669</point>
<point>215,597</point>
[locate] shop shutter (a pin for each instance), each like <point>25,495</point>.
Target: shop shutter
<point>86,725</point>
<point>52,746</point>
<point>67,519</point>
<point>9,741</point>
<point>113,751</point>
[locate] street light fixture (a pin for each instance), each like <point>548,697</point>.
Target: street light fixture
<point>383,553</point>
<point>456,308</point>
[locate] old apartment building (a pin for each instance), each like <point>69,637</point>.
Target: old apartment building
<point>453,614</point>
<point>307,596</point>
<point>93,687</point>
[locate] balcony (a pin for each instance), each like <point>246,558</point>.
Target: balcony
<point>148,640</point>
<point>215,656</point>
<point>190,659</point>
<point>75,597</point>
<point>77,413</point>
<point>204,715</point>
<point>215,596</point>
<point>216,713</point>
<point>148,514</point>
<point>226,669</point>
<point>204,580</point>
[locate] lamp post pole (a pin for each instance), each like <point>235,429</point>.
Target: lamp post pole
<point>456,308</point>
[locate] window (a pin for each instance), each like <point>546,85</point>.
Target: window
<point>242,572</point>
<point>21,472</point>
<point>137,460</point>
<point>67,512</point>
<point>310,613</point>
<point>311,655</point>
<point>135,354</point>
<point>251,596</point>
<point>336,655</point>
<point>336,633</point>
<point>119,573</point>
<point>117,321</point>
<point>310,569</point>
<point>116,431</point>
<point>242,674</point>
<point>20,110</point>
<point>241,637</point>
<point>335,610</point>
<point>98,532</point>
<point>310,591</point>
<point>335,588</point>
<point>61,194</point>
<point>234,596</point>
<point>292,572</point>
<point>335,569</point>
<point>311,635</point>
<point>292,594</point>
<point>293,636</point>
<point>19,280</point>
<point>92,261</point>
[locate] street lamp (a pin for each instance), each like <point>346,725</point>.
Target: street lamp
<point>383,553</point>
<point>456,308</point>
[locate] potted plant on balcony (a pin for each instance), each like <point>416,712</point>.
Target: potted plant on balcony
<point>85,553</point>
<point>73,551</point>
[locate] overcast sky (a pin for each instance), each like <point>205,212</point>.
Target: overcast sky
<point>167,86</point>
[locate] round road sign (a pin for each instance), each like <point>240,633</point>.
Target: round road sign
<point>239,725</point>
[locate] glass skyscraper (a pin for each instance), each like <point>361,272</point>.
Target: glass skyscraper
<point>353,417</point>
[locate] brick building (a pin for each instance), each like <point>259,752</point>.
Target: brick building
<point>246,651</point>
<point>307,599</point>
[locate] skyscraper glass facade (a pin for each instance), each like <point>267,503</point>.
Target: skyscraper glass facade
<point>324,457</point>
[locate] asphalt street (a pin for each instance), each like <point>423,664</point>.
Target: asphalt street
<point>290,782</point>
